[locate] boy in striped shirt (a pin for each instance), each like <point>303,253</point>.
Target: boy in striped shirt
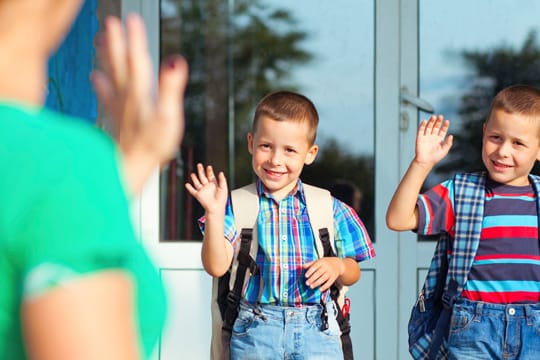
<point>498,312</point>
<point>280,315</point>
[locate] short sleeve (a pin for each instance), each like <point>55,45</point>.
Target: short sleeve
<point>350,235</point>
<point>435,210</point>
<point>77,224</point>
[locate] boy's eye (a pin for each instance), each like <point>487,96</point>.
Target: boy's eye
<point>290,150</point>
<point>265,146</point>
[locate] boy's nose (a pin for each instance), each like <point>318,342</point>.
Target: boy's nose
<point>276,158</point>
<point>504,149</point>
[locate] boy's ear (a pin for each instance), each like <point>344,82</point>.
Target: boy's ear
<point>250,143</point>
<point>311,154</point>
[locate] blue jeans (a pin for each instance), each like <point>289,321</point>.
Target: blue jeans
<point>481,330</point>
<point>277,332</point>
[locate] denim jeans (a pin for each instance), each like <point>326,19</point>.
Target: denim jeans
<point>481,330</point>
<point>276,332</point>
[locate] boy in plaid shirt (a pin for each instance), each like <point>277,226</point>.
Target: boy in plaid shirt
<point>498,312</point>
<point>283,315</point>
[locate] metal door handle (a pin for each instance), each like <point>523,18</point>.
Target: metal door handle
<point>408,98</point>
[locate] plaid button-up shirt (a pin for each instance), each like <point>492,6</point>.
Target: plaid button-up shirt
<point>286,242</point>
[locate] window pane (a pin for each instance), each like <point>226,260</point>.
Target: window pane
<point>238,52</point>
<point>469,50</point>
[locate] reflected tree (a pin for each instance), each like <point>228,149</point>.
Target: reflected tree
<point>238,51</point>
<point>493,70</point>
<point>334,163</point>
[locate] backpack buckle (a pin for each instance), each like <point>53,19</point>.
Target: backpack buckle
<point>448,300</point>
<point>233,299</point>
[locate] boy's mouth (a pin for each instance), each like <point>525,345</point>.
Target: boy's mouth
<point>499,165</point>
<point>274,174</point>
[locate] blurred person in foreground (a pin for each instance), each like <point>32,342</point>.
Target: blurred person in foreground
<point>74,281</point>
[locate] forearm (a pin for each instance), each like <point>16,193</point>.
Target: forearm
<point>402,213</point>
<point>351,273</point>
<point>217,251</point>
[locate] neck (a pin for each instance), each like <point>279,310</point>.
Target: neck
<point>23,73</point>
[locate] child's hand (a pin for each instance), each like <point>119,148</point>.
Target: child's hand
<point>431,145</point>
<point>211,193</point>
<point>323,272</point>
<point>147,125</point>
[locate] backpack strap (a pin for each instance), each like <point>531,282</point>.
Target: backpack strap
<point>245,202</point>
<point>319,204</point>
<point>469,194</point>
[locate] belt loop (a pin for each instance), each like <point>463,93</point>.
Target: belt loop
<point>529,314</point>
<point>479,309</point>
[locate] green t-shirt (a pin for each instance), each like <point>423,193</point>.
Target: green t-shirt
<point>64,213</point>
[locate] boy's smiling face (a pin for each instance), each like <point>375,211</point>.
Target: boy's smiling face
<point>279,150</point>
<point>510,147</point>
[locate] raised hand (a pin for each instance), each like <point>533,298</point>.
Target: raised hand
<point>432,144</point>
<point>211,192</point>
<point>147,125</point>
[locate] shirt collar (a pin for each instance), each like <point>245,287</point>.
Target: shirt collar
<point>298,190</point>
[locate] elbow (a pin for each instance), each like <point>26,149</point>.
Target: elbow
<point>391,223</point>
<point>396,224</point>
<point>215,271</point>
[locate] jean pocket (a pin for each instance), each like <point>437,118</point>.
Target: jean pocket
<point>535,317</point>
<point>243,322</point>
<point>461,320</point>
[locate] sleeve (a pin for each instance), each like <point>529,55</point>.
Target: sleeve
<point>78,224</point>
<point>350,235</point>
<point>436,210</point>
<point>229,229</point>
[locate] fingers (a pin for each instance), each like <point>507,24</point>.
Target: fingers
<point>435,125</point>
<point>112,53</point>
<point>138,56</point>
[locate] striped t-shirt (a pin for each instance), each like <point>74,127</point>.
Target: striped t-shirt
<point>506,268</point>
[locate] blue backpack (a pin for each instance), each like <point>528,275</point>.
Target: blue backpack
<point>430,317</point>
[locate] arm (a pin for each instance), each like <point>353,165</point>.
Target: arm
<point>89,318</point>
<point>147,127</point>
<point>432,145</point>
<point>217,251</point>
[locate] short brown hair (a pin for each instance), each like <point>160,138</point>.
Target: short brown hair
<point>520,99</point>
<point>288,106</point>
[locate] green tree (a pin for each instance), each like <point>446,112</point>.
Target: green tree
<point>494,69</point>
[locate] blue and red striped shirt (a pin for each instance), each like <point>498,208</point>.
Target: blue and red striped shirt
<point>506,268</point>
<point>286,242</point>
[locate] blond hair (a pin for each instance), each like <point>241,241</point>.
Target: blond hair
<point>288,106</point>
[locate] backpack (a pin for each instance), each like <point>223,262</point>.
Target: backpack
<point>227,290</point>
<point>430,317</point>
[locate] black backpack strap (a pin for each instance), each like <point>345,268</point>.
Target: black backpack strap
<point>343,321</point>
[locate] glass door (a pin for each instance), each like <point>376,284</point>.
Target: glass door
<point>455,56</point>
<point>239,51</point>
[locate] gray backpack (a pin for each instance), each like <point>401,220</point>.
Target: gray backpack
<point>227,290</point>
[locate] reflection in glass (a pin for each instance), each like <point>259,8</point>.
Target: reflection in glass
<point>241,50</point>
<point>463,67</point>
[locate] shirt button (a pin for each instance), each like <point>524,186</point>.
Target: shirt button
<point>284,237</point>
<point>285,266</point>
<point>285,294</point>
<point>283,211</point>
<point>512,311</point>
